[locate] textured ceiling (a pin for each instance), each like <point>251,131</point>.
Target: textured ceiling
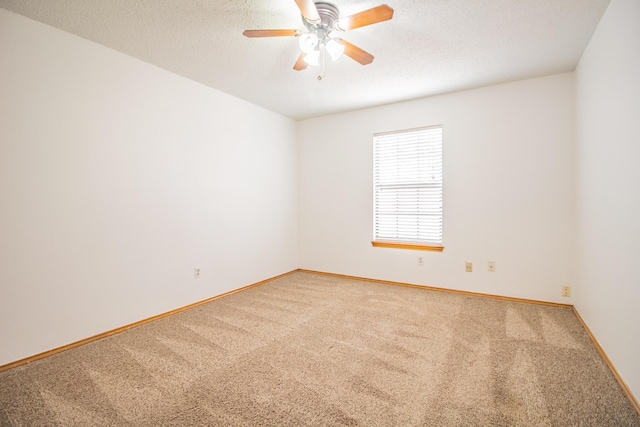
<point>429,47</point>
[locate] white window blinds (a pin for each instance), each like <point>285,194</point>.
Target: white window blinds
<point>407,168</point>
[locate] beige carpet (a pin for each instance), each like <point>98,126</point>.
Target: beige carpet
<point>307,349</point>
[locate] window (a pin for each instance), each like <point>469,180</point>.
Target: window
<point>407,186</point>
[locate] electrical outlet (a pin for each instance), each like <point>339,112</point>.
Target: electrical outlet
<point>468,267</point>
<point>491,267</point>
<point>196,273</point>
<point>420,261</point>
<point>566,291</point>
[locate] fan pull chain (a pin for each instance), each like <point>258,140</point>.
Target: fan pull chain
<point>322,74</point>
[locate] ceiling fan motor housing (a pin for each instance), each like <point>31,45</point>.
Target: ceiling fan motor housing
<point>328,13</point>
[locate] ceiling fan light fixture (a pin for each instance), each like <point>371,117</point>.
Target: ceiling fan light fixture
<point>321,18</point>
<point>334,49</point>
<point>308,42</point>
<point>312,58</point>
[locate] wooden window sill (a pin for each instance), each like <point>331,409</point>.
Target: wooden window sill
<point>433,247</point>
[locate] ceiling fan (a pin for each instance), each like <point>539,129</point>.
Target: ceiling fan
<point>322,20</point>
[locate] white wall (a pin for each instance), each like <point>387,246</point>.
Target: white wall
<point>117,179</point>
<point>508,190</point>
<point>608,187</point>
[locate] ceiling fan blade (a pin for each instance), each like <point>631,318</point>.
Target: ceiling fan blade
<point>271,33</point>
<point>309,10</point>
<point>355,53</point>
<point>300,64</point>
<point>367,17</point>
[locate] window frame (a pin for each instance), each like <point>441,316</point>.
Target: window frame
<point>422,245</point>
